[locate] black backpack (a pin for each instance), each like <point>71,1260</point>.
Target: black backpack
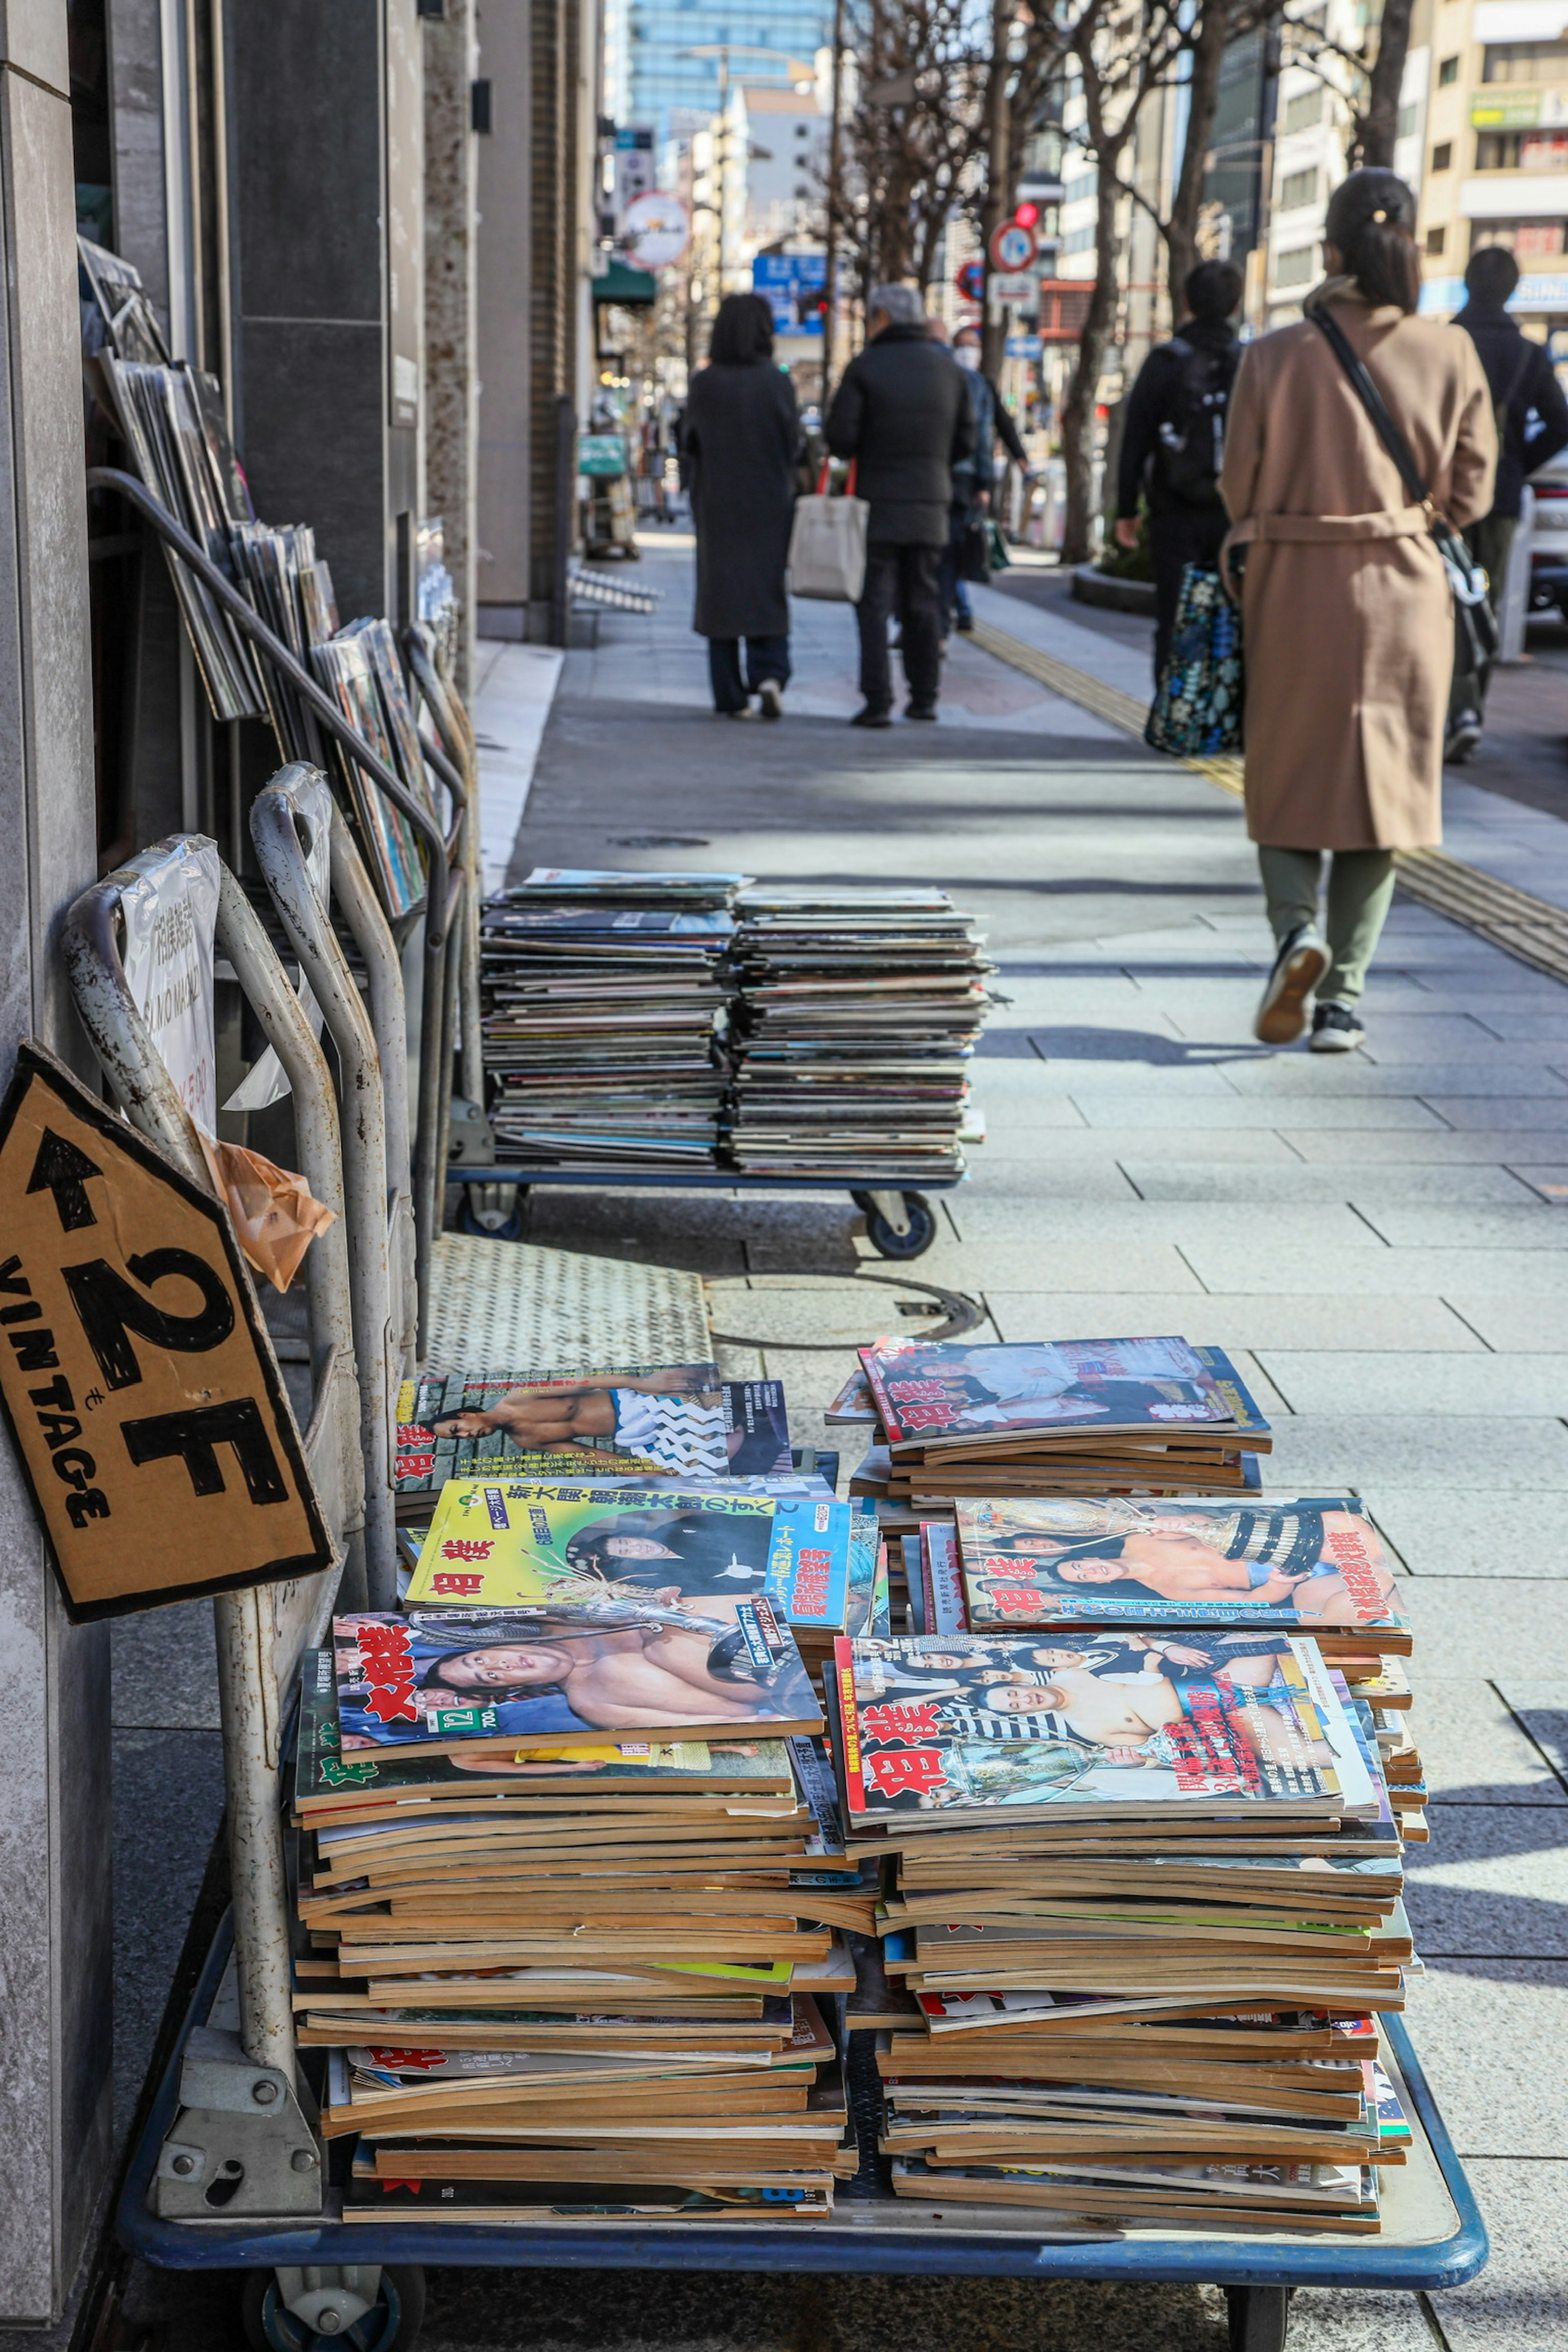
<point>1192,441</point>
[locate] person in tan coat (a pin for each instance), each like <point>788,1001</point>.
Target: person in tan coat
<point>1346,607</point>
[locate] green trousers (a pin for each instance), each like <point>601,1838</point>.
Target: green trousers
<point>1361,888</point>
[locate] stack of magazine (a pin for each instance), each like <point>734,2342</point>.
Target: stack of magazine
<point>1144,1908</point>
<point>604,1010</point>
<point>1135,1416</point>
<point>556,1947</point>
<point>360,669</point>
<point>857,1013</point>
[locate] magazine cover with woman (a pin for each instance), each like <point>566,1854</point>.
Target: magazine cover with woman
<point>1298,1564</point>
<point>522,1541</point>
<point>931,1393</point>
<point>445,1681</point>
<point>933,1724</point>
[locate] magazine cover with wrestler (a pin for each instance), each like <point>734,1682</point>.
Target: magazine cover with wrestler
<point>1299,1564</point>
<point>933,1725</point>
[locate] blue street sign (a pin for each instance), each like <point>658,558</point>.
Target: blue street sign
<point>1023,347</point>
<point>793,284</point>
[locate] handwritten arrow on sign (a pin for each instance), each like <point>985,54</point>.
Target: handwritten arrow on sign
<point>62,1170</point>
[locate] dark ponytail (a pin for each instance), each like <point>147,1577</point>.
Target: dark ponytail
<point>1370,221</point>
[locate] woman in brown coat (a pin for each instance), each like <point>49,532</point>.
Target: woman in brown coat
<point>1347,611</point>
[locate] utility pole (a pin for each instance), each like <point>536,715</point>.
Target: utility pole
<point>834,185</point>
<point>999,175</point>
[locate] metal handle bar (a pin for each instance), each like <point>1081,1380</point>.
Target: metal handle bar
<point>440,848</point>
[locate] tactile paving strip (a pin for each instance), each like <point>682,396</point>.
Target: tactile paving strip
<point>1530,929</point>
<point>514,1307</point>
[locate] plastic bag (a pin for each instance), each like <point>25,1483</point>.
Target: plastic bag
<point>1197,711</point>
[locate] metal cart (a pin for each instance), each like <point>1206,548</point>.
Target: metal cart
<point>361,2283</point>
<point>899,1223</point>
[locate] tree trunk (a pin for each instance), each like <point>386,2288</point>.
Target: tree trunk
<point>1380,123</point>
<point>998,176</point>
<point>1203,99</point>
<point>1077,409</point>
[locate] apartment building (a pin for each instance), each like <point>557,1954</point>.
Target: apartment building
<point>1496,155</point>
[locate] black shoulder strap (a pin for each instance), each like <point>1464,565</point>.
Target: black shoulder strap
<point>1372,400</point>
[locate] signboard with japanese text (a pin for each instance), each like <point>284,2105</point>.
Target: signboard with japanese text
<point>136,1374</point>
<point>793,284</point>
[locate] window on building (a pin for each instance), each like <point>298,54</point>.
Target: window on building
<point>1522,151</point>
<point>1443,156</point>
<point>1086,184</point>
<point>1297,189</point>
<point>1297,266</point>
<point>1534,61</point>
<point>1079,240</point>
<point>1405,126</point>
<point>1435,239</point>
<point>1527,240</point>
<point>1303,112</point>
<point>1449,71</point>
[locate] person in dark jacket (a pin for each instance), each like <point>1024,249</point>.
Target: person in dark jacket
<point>974,477</point>
<point>1532,426</point>
<point>1161,459</point>
<point>740,438</point>
<point>902,411</point>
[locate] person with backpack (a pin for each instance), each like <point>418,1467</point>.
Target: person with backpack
<point>1172,442</point>
<point>1531,417</point>
<point>1355,436</point>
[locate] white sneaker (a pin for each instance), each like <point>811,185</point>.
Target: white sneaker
<point>770,696</point>
<point>1336,1028</point>
<point>1300,965</point>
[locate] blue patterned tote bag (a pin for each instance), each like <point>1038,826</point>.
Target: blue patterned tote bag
<point>1197,713</point>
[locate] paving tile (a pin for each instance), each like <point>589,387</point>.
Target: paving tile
<point>1514,1325</point>
<point>1233,1321</point>
<point>1473,1747</point>
<point>1434,1148</point>
<point>1389,1454</point>
<point>1500,1627</point>
<point>1548,1026</point>
<point>1325,1381</point>
<point>1492,2037</point>
<point>1499,1110</point>
<point>1549,1183</point>
<point>1541,1709</point>
<point>1177,1180</point>
<point>1394,1273</point>
<point>1304,1111</point>
<point>1025,1263</point>
<point>1246,1145</point>
<point>1498,1073</point>
<point>1417,1224</point>
<point>1493,1883</point>
<point>1326,1226</point>
<point>1492,1530</point>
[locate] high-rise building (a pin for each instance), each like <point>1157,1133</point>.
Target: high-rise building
<point>653,77</point>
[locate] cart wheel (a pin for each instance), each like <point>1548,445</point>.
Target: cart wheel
<point>392,2323</point>
<point>864,1203</point>
<point>484,1224</point>
<point>886,1242</point>
<point>1259,2316</point>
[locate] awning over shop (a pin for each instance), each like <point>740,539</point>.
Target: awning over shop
<point>621,283</point>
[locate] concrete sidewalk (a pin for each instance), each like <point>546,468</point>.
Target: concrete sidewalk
<point>1365,1233</point>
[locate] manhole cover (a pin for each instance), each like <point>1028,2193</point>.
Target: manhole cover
<point>958,1315</point>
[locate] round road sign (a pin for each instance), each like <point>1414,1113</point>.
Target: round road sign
<point>654,229</point>
<point>1011,246</point>
<point>970,280</point>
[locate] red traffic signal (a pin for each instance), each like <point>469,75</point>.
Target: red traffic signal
<point>1026,215</point>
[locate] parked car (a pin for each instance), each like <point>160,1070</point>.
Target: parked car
<point>1548,543</point>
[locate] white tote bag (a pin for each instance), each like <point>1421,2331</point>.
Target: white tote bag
<point>827,544</point>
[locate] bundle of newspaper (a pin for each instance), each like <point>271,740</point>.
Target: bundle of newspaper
<point>604,1007</point>
<point>568,1915</point>
<point>1136,1416</point>
<point>1147,1909</point>
<point>858,1013</point>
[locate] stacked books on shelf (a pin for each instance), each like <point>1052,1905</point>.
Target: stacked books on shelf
<point>565,1919</point>
<point>1147,1907</point>
<point>1137,1416</point>
<point>857,1014</point>
<point>604,1011</point>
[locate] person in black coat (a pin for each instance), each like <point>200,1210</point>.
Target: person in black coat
<point>1532,426</point>
<point>902,412</point>
<point>740,442</point>
<point>1169,446</point>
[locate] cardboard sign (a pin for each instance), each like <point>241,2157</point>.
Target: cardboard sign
<point>135,1371</point>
